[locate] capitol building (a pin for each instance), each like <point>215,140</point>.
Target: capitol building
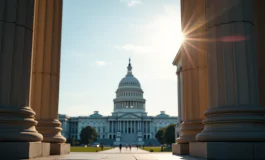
<point>129,122</point>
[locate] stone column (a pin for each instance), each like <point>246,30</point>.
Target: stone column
<point>194,72</point>
<point>44,93</point>
<point>150,128</point>
<point>179,97</point>
<point>131,126</point>
<point>17,127</point>
<point>112,127</point>
<point>124,126</point>
<point>234,121</point>
<point>119,126</point>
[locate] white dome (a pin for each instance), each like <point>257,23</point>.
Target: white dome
<point>129,80</point>
<point>129,95</point>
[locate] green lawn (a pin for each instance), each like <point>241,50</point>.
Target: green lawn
<point>157,149</point>
<point>87,149</point>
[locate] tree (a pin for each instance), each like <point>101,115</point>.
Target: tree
<point>159,135</point>
<point>71,140</point>
<point>88,135</point>
<point>169,134</point>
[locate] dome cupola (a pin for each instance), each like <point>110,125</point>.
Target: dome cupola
<point>129,95</point>
<point>129,80</point>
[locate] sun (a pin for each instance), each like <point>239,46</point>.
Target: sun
<point>182,38</point>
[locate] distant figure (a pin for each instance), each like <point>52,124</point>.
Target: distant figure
<point>130,147</point>
<point>126,146</point>
<point>102,147</point>
<point>137,146</point>
<point>120,146</point>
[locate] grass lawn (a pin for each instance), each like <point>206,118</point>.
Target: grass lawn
<point>157,149</point>
<point>88,149</point>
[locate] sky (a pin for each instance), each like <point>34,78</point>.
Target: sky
<point>98,38</point>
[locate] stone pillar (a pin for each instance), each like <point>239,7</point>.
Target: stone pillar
<point>112,127</point>
<point>17,128</point>
<point>179,97</point>
<point>234,121</point>
<point>194,72</point>
<point>140,126</point>
<point>123,127</point>
<point>150,128</point>
<point>44,93</point>
<point>119,126</point>
<point>133,126</point>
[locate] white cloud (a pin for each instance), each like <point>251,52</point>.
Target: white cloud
<point>100,63</point>
<point>138,49</point>
<point>131,3</point>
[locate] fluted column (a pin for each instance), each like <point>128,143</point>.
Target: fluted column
<point>179,96</point>
<point>17,121</point>
<point>235,114</point>
<point>44,92</point>
<point>194,69</point>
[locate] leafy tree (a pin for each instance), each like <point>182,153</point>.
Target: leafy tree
<point>159,135</point>
<point>71,140</point>
<point>88,135</point>
<point>169,134</point>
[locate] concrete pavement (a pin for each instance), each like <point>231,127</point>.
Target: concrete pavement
<point>115,154</point>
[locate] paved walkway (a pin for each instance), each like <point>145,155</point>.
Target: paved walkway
<point>115,154</point>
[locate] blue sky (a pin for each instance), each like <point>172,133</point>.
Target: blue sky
<point>99,36</point>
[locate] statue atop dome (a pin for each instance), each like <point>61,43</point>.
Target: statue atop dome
<point>129,72</point>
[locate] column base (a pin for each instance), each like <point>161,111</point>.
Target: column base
<point>239,123</point>
<point>180,149</point>
<point>60,148</point>
<point>46,147</point>
<point>51,131</point>
<point>22,150</point>
<point>228,150</point>
<point>17,124</point>
<point>189,130</point>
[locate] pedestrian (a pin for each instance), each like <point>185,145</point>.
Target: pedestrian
<point>102,147</point>
<point>137,146</point>
<point>120,146</point>
<point>130,147</point>
<point>126,146</point>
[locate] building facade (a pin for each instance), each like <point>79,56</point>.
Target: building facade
<point>129,122</point>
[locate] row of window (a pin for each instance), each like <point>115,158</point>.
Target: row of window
<point>129,83</point>
<point>129,94</point>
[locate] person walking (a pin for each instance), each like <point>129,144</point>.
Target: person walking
<point>137,146</point>
<point>130,147</point>
<point>120,146</point>
<point>126,146</point>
